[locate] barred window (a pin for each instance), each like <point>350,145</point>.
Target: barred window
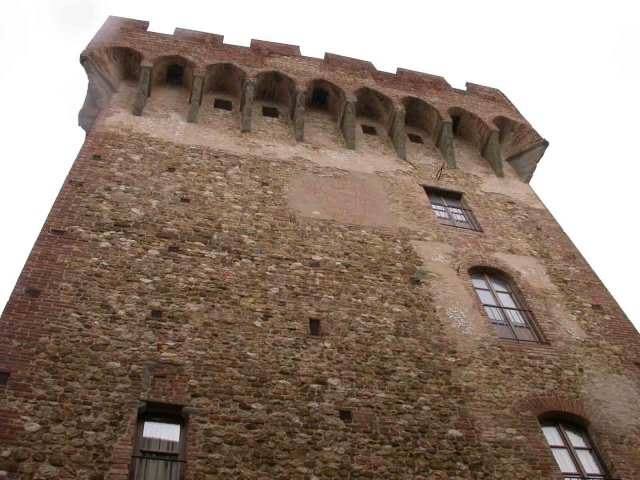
<point>450,209</point>
<point>503,308</point>
<point>160,448</point>
<point>573,451</point>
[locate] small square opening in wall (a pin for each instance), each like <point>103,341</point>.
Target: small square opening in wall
<point>369,130</point>
<point>185,200</point>
<point>314,327</point>
<point>4,378</point>
<point>57,231</point>
<point>171,169</point>
<point>156,313</point>
<point>96,157</point>
<point>174,249</point>
<point>32,292</point>
<point>346,416</point>
<point>222,104</point>
<point>415,138</point>
<point>270,112</point>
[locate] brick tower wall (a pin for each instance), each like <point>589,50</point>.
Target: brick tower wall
<point>190,247</point>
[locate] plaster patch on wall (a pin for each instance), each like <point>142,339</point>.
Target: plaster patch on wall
<point>453,301</point>
<point>434,251</point>
<point>355,198</point>
<point>615,396</point>
<point>534,272</point>
<point>512,188</point>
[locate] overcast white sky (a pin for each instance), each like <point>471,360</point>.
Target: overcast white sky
<point>571,67</point>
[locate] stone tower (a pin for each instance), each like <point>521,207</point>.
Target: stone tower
<point>269,266</point>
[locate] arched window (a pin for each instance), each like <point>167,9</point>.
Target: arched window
<point>505,311</point>
<point>573,450</point>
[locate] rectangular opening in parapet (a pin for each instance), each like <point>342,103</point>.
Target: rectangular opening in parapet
<point>314,327</point>
<point>270,112</point>
<point>415,138</point>
<point>345,416</point>
<point>4,378</point>
<point>369,130</point>
<point>156,313</point>
<point>319,98</point>
<point>223,104</point>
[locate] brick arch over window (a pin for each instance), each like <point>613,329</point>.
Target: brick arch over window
<point>174,70</point>
<point>520,145</point>
<point>325,95</point>
<point>542,406</point>
<point>107,68</point>
<point>225,78</point>
<point>375,105</point>
<point>504,305</point>
<point>276,87</point>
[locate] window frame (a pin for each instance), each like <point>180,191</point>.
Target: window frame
<point>166,413</point>
<point>506,312</point>
<point>439,197</point>
<point>560,425</point>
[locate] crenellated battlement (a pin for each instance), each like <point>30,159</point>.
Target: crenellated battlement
<point>124,50</point>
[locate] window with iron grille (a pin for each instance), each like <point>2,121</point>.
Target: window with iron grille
<point>503,308</point>
<point>573,451</point>
<point>450,209</point>
<point>159,452</point>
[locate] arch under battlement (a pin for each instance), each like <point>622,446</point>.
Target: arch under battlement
<point>470,127</point>
<point>520,145</point>
<point>327,96</point>
<point>225,78</point>
<point>422,116</point>
<point>277,88</point>
<point>221,91</point>
<point>117,64</point>
<point>172,70</point>
<point>107,69</point>
<point>425,124</point>
<point>376,106</point>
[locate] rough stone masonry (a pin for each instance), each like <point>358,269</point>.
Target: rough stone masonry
<point>245,249</point>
